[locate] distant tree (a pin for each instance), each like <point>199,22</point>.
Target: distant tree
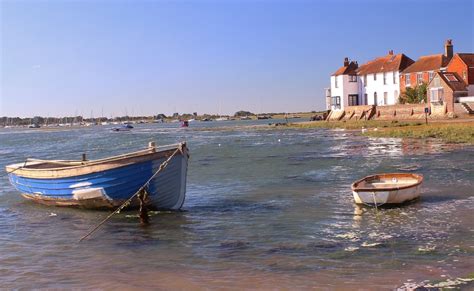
<point>160,116</point>
<point>243,113</point>
<point>415,95</point>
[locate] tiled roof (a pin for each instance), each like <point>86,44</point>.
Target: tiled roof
<point>453,80</point>
<point>346,70</point>
<point>467,58</point>
<point>386,63</point>
<point>428,63</point>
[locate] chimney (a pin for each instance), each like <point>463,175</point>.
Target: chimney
<point>346,61</point>
<point>448,49</point>
<point>390,52</point>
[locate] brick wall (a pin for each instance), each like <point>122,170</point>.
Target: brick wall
<point>458,66</point>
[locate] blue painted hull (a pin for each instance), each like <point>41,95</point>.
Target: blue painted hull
<point>110,188</point>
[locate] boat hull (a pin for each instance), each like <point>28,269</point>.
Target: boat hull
<point>387,197</point>
<point>110,188</point>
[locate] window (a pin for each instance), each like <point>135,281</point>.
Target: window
<point>394,75</point>
<point>419,78</point>
<point>335,82</point>
<point>436,95</point>
<point>353,99</point>
<point>395,96</point>
<point>365,80</point>
<point>385,98</point>
<point>375,98</point>
<point>375,76</point>
<point>352,78</point>
<point>384,78</point>
<point>365,99</point>
<point>464,75</point>
<point>336,102</point>
<point>407,80</point>
<point>451,77</point>
<point>431,75</point>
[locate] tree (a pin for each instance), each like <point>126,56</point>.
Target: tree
<point>415,95</point>
<point>243,113</point>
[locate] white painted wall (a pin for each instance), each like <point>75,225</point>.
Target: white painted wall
<point>392,89</point>
<point>344,89</point>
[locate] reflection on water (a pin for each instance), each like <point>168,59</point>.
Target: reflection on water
<point>264,208</point>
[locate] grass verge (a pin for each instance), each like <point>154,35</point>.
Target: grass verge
<point>459,132</point>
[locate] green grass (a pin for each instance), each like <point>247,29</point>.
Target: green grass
<point>455,132</point>
<point>450,133</point>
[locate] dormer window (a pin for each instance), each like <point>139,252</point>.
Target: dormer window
<point>352,78</point>
<point>335,82</point>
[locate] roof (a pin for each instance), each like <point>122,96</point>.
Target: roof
<point>467,58</point>
<point>386,63</point>
<point>428,63</point>
<point>346,70</point>
<point>453,80</point>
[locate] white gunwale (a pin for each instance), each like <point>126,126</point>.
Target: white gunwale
<point>358,188</point>
<point>68,169</point>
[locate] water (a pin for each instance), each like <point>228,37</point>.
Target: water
<point>264,208</point>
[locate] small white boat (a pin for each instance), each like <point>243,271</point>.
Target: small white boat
<point>391,188</point>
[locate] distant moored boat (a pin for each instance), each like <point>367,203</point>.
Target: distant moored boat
<point>105,183</point>
<point>392,188</point>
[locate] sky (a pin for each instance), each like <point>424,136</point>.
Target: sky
<point>112,58</point>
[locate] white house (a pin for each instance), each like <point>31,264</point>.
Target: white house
<point>379,79</point>
<point>344,86</point>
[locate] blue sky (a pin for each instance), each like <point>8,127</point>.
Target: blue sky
<point>147,57</point>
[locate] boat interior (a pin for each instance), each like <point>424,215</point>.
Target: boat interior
<point>387,181</point>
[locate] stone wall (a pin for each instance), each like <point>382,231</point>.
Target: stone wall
<point>388,112</point>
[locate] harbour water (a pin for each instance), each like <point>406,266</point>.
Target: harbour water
<point>264,209</point>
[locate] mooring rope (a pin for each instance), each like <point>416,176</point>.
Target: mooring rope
<point>127,202</point>
<point>6,172</point>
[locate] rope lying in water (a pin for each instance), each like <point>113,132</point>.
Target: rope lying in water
<point>126,203</point>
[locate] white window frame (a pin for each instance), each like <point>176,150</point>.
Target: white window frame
<point>335,82</point>
<point>419,79</point>
<point>431,76</point>
<point>394,75</point>
<point>384,78</point>
<point>407,80</point>
<point>439,95</point>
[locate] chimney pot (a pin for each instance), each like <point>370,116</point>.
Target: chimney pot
<point>346,61</point>
<point>390,52</point>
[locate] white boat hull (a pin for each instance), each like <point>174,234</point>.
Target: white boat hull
<point>387,197</point>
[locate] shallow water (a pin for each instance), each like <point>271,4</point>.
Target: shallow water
<point>264,208</point>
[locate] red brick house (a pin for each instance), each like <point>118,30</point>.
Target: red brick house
<point>443,90</point>
<point>463,65</point>
<point>424,69</point>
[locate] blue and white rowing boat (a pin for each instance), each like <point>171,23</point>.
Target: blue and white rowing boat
<point>105,183</point>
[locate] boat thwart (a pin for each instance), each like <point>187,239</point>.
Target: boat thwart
<point>105,183</point>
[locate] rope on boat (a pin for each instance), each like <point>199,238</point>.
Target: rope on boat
<point>375,201</point>
<point>129,200</point>
<point>6,172</point>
